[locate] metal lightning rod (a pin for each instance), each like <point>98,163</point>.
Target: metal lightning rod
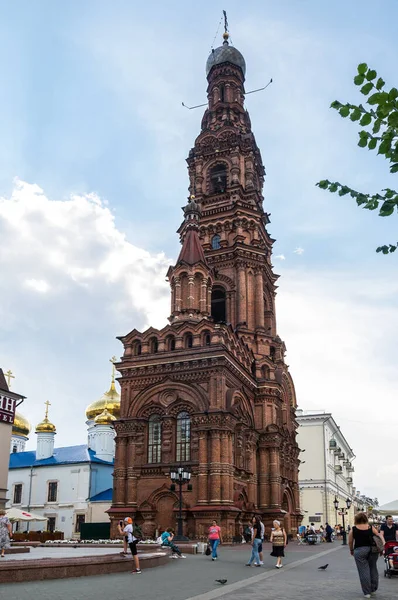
<point>251,92</point>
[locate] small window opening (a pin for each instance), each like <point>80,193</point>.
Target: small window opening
<point>216,242</point>
<point>218,305</point>
<point>218,179</point>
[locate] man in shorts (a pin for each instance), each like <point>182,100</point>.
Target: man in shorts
<point>132,543</point>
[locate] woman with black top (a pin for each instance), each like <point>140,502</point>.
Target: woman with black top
<point>256,541</point>
<point>361,541</point>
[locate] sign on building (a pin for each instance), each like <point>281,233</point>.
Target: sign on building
<point>7,409</point>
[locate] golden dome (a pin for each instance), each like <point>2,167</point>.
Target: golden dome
<point>45,426</point>
<point>21,426</point>
<point>110,401</point>
<point>105,418</point>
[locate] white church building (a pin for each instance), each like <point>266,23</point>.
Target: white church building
<point>69,485</point>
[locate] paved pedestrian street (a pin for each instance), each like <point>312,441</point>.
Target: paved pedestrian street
<point>194,579</point>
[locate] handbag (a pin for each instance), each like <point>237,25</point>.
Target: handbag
<point>377,545</point>
<point>208,551</point>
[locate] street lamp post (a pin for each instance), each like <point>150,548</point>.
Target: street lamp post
<point>179,476</point>
<point>344,513</point>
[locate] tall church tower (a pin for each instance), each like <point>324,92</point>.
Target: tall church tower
<point>211,390</point>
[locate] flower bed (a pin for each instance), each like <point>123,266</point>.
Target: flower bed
<point>96,542</point>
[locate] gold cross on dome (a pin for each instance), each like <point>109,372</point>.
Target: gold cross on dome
<point>47,403</point>
<point>9,376</point>
<point>113,360</point>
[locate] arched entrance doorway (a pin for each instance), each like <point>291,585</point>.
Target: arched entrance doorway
<point>286,507</point>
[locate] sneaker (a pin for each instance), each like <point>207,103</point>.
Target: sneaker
<point>247,565</point>
<point>136,571</point>
<point>367,596</point>
<point>261,562</point>
<point>182,556</point>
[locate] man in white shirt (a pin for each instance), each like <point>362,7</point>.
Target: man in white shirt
<point>132,542</point>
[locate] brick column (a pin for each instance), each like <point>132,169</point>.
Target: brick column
<point>203,468</point>
<point>131,483</point>
<point>242,294</point>
<point>232,466</point>
<point>215,479</point>
<point>225,462</point>
<point>264,478</point>
<point>250,301</point>
<point>259,299</point>
<point>119,474</point>
<point>275,477</point>
<point>191,298</point>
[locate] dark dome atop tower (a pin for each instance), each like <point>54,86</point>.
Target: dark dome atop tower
<point>223,54</point>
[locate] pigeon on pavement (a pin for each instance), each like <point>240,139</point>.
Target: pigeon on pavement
<point>323,568</point>
<point>222,581</point>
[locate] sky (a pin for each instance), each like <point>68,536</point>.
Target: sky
<point>93,177</point>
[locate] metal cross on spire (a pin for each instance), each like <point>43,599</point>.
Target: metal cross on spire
<point>225,21</point>
<point>113,360</point>
<point>47,403</point>
<point>9,376</point>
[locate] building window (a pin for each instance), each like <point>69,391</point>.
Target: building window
<point>153,344</point>
<point>51,524</point>
<point>18,493</point>
<point>216,242</point>
<point>137,348</point>
<point>52,491</point>
<point>154,439</point>
<point>183,437</point>
<point>218,305</point>
<point>218,179</point>
<point>207,339</point>
<point>80,519</point>
<point>14,449</point>
<point>171,343</point>
<point>189,341</point>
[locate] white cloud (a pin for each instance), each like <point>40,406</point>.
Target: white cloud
<point>298,250</point>
<point>280,257</point>
<point>39,285</point>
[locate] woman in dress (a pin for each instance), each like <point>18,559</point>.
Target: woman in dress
<point>214,539</point>
<point>278,541</point>
<point>361,541</point>
<point>5,532</point>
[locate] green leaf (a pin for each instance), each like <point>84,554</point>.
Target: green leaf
<point>372,144</point>
<point>324,184</point>
<point>333,187</point>
<point>384,147</point>
<point>361,199</point>
<point>363,142</point>
<point>336,104</point>
<point>383,249</point>
<point>366,88</point>
<point>374,98</point>
<point>355,115</point>
<point>387,208</point>
<point>392,248</point>
<point>344,190</point>
<point>393,119</point>
<point>380,83</point>
<point>344,111</point>
<point>393,93</point>
<point>359,79</point>
<point>366,119</point>
<point>376,126</point>
<point>371,74</point>
<point>362,68</point>
<point>394,168</point>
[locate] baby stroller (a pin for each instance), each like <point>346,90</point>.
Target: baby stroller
<point>391,559</point>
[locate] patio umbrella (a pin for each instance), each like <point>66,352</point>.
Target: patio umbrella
<point>391,508</point>
<point>14,514</point>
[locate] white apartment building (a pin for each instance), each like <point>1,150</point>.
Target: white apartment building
<point>326,470</point>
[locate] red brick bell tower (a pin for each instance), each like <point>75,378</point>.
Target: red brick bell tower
<point>211,390</point>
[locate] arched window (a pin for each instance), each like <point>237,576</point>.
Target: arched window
<point>218,179</point>
<point>222,93</point>
<point>137,348</point>
<point>183,445</point>
<point>206,338</point>
<point>218,305</point>
<point>14,449</point>
<point>171,343</point>
<point>154,439</point>
<point>188,340</point>
<point>216,242</point>
<point>153,345</point>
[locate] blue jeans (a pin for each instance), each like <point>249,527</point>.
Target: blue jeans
<point>214,544</point>
<point>255,555</point>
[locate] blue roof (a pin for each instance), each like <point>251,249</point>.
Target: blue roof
<point>61,456</point>
<point>105,496</point>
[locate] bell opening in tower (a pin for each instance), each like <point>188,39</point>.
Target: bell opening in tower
<point>218,179</point>
<point>218,305</point>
